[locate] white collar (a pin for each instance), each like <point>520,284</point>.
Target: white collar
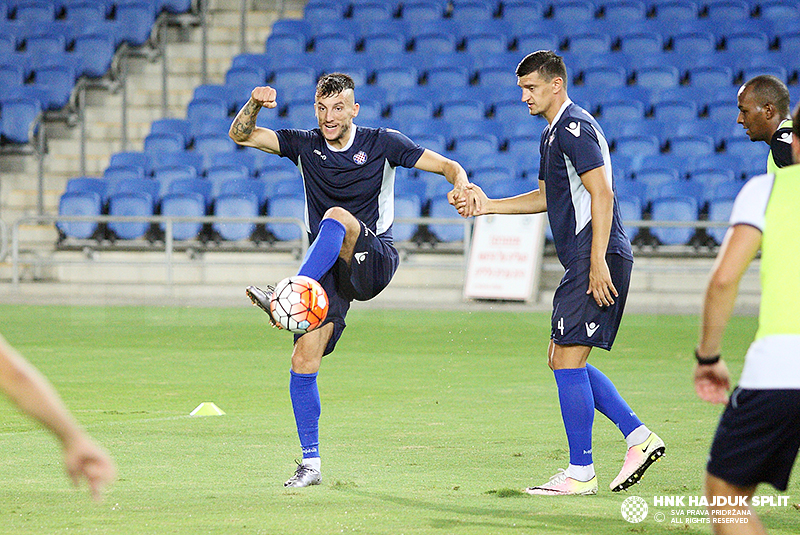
<point>349,141</point>
<point>560,112</point>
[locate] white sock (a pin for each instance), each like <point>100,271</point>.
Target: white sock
<point>313,462</point>
<point>581,473</point>
<point>637,436</point>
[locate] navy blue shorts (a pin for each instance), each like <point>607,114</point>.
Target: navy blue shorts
<point>757,439</point>
<point>577,318</point>
<point>370,271</point>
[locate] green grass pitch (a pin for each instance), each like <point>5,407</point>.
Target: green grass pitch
<point>431,423</point>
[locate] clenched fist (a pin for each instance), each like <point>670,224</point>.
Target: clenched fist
<point>265,96</point>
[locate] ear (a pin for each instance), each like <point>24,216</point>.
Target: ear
<point>356,107</point>
<point>558,84</point>
<point>769,110</point>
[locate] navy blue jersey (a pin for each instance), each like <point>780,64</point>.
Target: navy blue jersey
<point>571,146</point>
<point>359,178</point>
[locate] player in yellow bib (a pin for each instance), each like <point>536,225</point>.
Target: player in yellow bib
<point>759,433</point>
<point>763,103</point>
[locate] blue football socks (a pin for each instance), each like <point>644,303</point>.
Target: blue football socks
<point>305,402</point>
<point>577,411</point>
<point>608,401</point>
<point>322,254</point>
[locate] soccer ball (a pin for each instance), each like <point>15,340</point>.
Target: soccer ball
<point>299,304</point>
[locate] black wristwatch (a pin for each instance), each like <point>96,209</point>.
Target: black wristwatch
<point>706,360</point>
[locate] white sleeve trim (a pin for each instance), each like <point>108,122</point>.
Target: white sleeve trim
<point>751,202</point>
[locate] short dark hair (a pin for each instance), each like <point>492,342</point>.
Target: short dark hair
<point>545,62</point>
<point>768,89</point>
<point>333,84</point>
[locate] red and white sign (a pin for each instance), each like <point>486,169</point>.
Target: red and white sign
<point>506,257</point>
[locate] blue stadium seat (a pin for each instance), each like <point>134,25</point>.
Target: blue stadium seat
<point>383,43</point>
<point>710,76</point>
<point>405,207</point>
<point>779,10</point>
<point>183,204</point>
<point>604,76</point>
<point>169,174</point>
<point>630,209</point>
<point>457,110</point>
<point>170,125</point>
<point>485,43</point>
<point>85,183</point>
<point>747,42</point>
<point>411,110</point>
<point>333,43</point>
<point>719,210</point>
<point>423,10</point>
<point>202,109</point>
<point>658,77</point>
<point>18,114</point>
<point>765,68</point>
<point>393,78</point>
<point>176,6</point>
<point>286,77</point>
<point>718,161</point>
<point>722,10</point>
<point>621,110</point>
<point>727,190</point>
<point>11,75</point>
<point>589,43</point>
<point>292,27</point>
<point>220,174</point>
<point>682,188</point>
<point>441,209</point>
<point>573,11</point>
<point>96,51</point>
<point>79,203</point>
<point>449,77</point>
<point>672,10</point>
<point>164,142</point>
<point>435,43</point>
<point>694,42</point>
<point>323,11</point>
<point>45,44</point>
<point>236,158</point>
<point>285,44</point>
<point>246,75</point>
<point>286,206</point>
<point>636,146</point>
<point>675,110</point>
<point>742,147</point>
<point>709,179</point>
<point>372,11</point>
<point>33,11</point>
<point>691,146</point>
<point>722,111</point>
<point>624,11</point>
<point>135,21</point>
<point>170,159</point>
<point>209,144</point>
<point>235,205</point>
<point>133,203</point>
<point>537,41</point>
<point>247,186</point>
<point>678,209</point>
<point>472,11</point>
<point>489,175</point>
<point>641,43</point>
<point>476,144</point>
<point>523,10</point>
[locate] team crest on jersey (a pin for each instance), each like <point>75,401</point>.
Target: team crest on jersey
<point>360,157</point>
<point>786,137</point>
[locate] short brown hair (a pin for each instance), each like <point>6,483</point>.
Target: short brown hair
<point>333,84</point>
<point>768,89</point>
<point>547,63</point>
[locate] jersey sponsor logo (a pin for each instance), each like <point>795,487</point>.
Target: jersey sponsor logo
<point>574,128</point>
<point>786,137</point>
<point>360,157</point>
<point>360,257</point>
<point>591,328</point>
<point>319,153</point>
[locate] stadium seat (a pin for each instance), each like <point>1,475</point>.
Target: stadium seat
<point>236,158</point>
<point>681,188</point>
<point>33,11</point>
<point>448,77</point>
<point>202,109</point>
<point>184,204</point>
<point>210,144</point>
<point>411,110</point>
<point>372,11</point>
<point>132,203</point>
<point>691,146</point>
<point>323,11</point>
<point>572,11</point>
<point>653,178</point>
<point>719,210</point>
<point>171,125</point>
<point>186,158</point>
<point>747,42</point>
<point>489,175</point>
<point>779,10</point>
<point>441,209</point>
<point>18,114</point>
<point>246,76</point>
<point>675,110</point>
<point>727,190</point>
<point>742,147</point>
<point>383,43</point>
<point>219,174</point>
<point>641,43</point>
<point>657,77</point>
<point>536,41</point>
<point>333,43</point>
<point>11,75</point>
<point>135,21</point>
<point>393,78</point>
<point>523,10</point>
<point>286,206</point>
<point>166,175</point>
<point>423,10</point>
<point>435,43</point>
<point>725,10</point>
<point>604,76</point>
<point>472,12</point>
<point>624,11</point>
<point>636,146</point>
<point>690,43</point>
<point>96,51</point>
<point>485,43</point>
<point>589,43</point>
<point>164,142</point>
<point>246,186</point>
<point>718,161</point>
<point>235,205</point>
<point>285,44</point>
<point>677,209</point>
<point>85,183</point>
<point>672,10</point>
<point>79,203</point>
<point>630,209</point>
<point>709,179</point>
<point>723,111</point>
<point>454,111</point>
<point>710,76</point>
<point>621,110</point>
<point>405,207</point>
<point>765,68</point>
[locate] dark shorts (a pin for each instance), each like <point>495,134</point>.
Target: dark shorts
<point>757,438</point>
<point>577,318</point>
<point>370,271</point>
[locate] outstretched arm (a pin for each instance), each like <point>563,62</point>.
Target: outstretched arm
<point>35,396</point>
<point>738,249</point>
<point>433,162</point>
<point>244,130</point>
<point>475,202</point>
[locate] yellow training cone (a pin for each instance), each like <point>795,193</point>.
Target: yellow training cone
<point>207,408</point>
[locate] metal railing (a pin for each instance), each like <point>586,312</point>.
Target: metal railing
<point>3,240</point>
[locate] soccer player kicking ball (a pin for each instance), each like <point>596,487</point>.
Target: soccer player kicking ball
<point>575,189</point>
<point>348,175</point>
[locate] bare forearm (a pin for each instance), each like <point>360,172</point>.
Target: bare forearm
<point>602,214</point>
<point>244,124</point>
<point>717,308</point>
<point>532,202</point>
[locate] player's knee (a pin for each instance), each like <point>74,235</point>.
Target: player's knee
<point>341,215</point>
